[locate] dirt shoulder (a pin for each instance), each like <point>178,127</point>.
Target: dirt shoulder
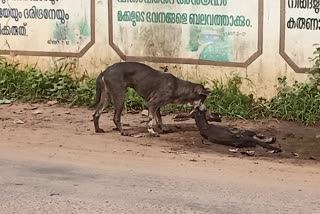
<point>52,132</point>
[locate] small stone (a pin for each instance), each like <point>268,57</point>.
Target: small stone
<point>19,112</point>
<point>31,108</point>
<point>295,154</point>
<point>248,153</point>
<point>37,112</point>
<point>53,102</point>
<point>144,113</point>
<point>18,121</point>
<point>234,150</point>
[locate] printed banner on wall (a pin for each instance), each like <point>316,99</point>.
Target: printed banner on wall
<point>200,30</point>
<point>300,27</point>
<point>41,27</point>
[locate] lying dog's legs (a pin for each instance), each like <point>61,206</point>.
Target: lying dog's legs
<point>236,142</point>
<point>265,143</point>
<point>260,137</point>
<point>103,103</point>
<point>246,141</point>
<point>269,140</point>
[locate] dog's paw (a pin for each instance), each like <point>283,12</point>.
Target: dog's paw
<point>269,140</point>
<point>100,131</point>
<point>152,133</point>
<point>273,140</point>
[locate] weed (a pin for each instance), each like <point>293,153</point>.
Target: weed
<point>298,102</point>
<point>301,101</point>
<point>228,99</point>
<point>32,85</point>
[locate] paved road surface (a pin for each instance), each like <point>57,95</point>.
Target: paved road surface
<point>41,187</point>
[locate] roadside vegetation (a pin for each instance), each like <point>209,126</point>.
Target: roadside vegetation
<point>298,102</point>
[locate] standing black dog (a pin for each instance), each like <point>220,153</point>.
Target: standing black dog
<point>222,135</point>
<point>156,87</point>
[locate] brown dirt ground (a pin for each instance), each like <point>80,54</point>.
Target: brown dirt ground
<point>43,122</point>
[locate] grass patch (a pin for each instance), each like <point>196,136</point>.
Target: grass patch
<point>299,102</point>
<point>32,85</point>
<point>228,99</point>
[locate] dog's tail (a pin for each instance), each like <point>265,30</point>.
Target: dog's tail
<point>99,83</point>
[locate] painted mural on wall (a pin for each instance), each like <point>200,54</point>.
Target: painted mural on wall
<point>205,30</point>
<point>42,26</point>
<point>300,31</point>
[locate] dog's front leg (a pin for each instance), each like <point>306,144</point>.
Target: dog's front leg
<point>151,122</point>
<point>160,124</point>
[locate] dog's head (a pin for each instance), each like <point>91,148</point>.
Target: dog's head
<point>200,95</point>
<point>201,91</point>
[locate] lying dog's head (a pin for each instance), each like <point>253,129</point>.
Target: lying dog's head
<point>210,116</point>
<point>198,104</point>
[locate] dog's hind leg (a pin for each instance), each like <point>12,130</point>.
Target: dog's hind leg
<point>265,143</point>
<point>118,102</point>
<point>103,103</point>
<point>246,141</point>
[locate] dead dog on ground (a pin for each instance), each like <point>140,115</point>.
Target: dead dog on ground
<point>222,135</point>
<point>156,87</point>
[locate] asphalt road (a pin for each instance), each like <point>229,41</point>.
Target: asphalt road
<point>41,187</point>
